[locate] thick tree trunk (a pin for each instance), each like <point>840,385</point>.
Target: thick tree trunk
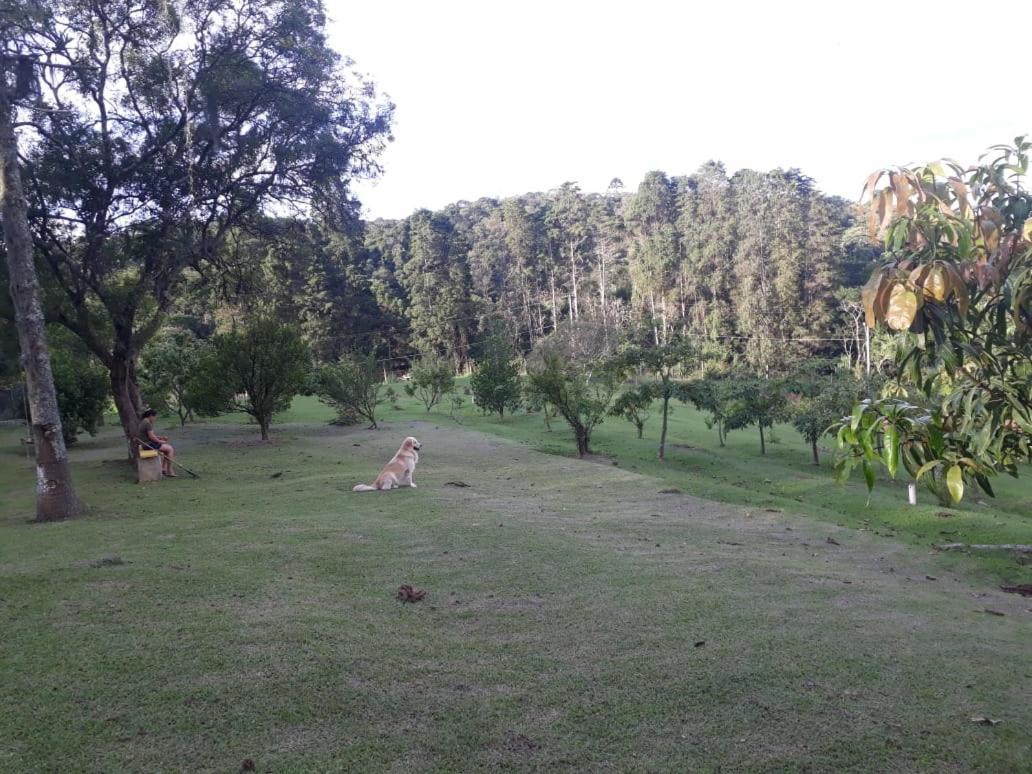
<point>662,433</point>
<point>55,492</point>
<point>763,443</point>
<point>816,459</point>
<point>126,396</point>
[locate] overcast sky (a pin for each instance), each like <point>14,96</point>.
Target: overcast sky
<point>497,99</point>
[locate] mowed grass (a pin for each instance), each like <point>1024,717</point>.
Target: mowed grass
<point>784,478</point>
<point>576,618</point>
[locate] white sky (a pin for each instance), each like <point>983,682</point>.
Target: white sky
<point>497,99</point>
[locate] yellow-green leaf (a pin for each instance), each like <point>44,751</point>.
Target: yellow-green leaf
<point>902,307</point>
<point>955,483</point>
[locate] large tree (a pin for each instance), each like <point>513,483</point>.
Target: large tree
<point>162,126</point>
<point>55,492</point>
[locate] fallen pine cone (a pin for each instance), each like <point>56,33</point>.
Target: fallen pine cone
<point>407,593</point>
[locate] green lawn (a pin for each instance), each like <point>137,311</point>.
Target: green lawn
<point>784,478</point>
<point>576,618</point>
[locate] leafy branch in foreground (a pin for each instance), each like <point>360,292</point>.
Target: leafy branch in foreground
<point>958,289</point>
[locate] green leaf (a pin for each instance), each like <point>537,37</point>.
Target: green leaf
<point>858,412</point>
<point>890,449</point>
<point>869,475</point>
<point>955,483</point>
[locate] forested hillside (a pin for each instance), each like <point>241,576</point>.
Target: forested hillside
<point>751,265</point>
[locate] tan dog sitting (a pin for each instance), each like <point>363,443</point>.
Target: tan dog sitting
<point>397,472</point>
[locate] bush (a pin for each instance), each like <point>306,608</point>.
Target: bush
<point>431,379</point>
<point>352,386</point>
<point>170,373</point>
<point>257,370</point>
<point>82,388</point>
<point>496,381</point>
<point>634,405</point>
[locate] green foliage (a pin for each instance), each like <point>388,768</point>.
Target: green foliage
<point>958,289</point>
<point>634,404</point>
<point>760,402</point>
<point>663,362</point>
<point>352,386</point>
<point>818,401</point>
<point>581,390</point>
<point>716,396</point>
<point>737,401</point>
<point>195,116</point>
<point>431,378</point>
<point>170,370</point>
<point>83,392</point>
<point>257,370</point>
<point>496,380</point>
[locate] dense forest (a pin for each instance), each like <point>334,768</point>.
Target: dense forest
<point>754,266</point>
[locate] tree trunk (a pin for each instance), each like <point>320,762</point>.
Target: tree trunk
<point>573,279</point>
<point>641,429</point>
<point>816,459</point>
<point>555,305</point>
<point>662,433</point>
<point>763,443</point>
<point>55,492</point>
<point>582,441</point>
<point>263,425</point>
<point>126,397</point>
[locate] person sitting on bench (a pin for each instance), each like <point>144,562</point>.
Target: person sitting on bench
<point>159,443</point>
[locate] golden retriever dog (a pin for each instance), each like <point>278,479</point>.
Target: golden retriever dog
<point>397,472</point>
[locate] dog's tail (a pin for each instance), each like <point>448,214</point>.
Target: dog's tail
<point>363,488</point>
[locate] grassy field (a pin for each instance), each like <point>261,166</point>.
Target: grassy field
<point>784,478</point>
<point>576,616</point>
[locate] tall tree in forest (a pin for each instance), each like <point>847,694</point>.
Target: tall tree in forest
<point>651,215</point>
<point>55,492</point>
<point>707,222</point>
<point>525,239</point>
<point>568,230</point>
<point>162,126</point>
<point>435,277</point>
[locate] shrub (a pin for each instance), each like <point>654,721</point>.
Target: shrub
<point>352,386</point>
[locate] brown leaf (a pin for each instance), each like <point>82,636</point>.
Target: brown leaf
<point>869,186</point>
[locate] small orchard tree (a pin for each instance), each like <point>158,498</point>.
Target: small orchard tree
<point>496,380</point>
<point>431,378</point>
<point>535,401</point>
<point>957,290</point>
<point>760,402</point>
<point>716,396</point>
<point>634,404</point>
<point>353,387</point>
<point>581,393</point>
<point>818,401</point>
<point>170,372</point>
<point>663,362</point>
<point>257,370</point>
